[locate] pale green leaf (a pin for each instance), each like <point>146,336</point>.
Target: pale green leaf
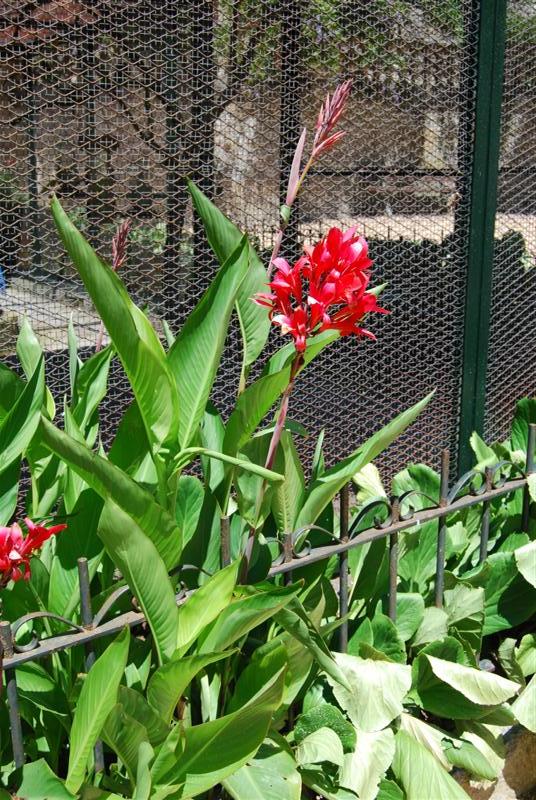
<point>526,562</point>
<point>363,769</point>
<point>270,775</point>
<point>20,423</point>
<point>420,774</point>
<point>40,783</point>
<point>321,745</point>
<point>525,706</point>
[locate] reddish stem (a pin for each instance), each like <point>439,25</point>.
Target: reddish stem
<point>270,458</point>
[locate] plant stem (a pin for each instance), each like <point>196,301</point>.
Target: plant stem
<point>270,458</point>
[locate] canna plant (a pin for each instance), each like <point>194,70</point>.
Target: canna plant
<point>234,687</point>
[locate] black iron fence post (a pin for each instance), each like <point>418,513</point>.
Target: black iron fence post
<point>6,642</point>
<point>483,205</point>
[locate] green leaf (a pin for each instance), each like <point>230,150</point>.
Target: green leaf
<point>526,654</point>
<point>377,689</point>
<point>264,663</point>
<point>465,610</point>
<point>124,735</point>
<point>488,743</point>
<point>91,386</point>
<point>465,755</point>
<point>409,614</point>
<point>287,496</point>
<point>448,689</point>
<point>187,456</point>
<point>40,783</point>
<point>80,540</point>
<point>111,483</point>
<point>205,605</point>
<point>326,487</point>
<point>387,640</point>
<point>321,745</point>
<point>524,706</point>
<point>146,574</point>
<point>326,716</point>
<point>427,735</point>
<point>525,414</point>
<point>510,600</point>
<point>241,616</point>
<point>509,663</point>
<point>420,774</point>
<point>143,775</point>
<point>217,749</point>
<point>132,334</point>
<point>9,491</point>
<point>224,238</point>
<point>190,496</point>
<point>20,423</point>
<point>485,455</point>
<point>363,769</point>
<point>11,387</point>
<point>36,685</point>
<point>196,352</point>
<point>296,620</point>
<point>270,775</point>
<point>169,682</point>
<point>97,698</point>
<point>389,790</point>
<point>526,562</point>
<point>432,627</point>
<point>136,706</point>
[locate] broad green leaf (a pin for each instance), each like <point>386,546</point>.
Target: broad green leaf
<point>243,615</point>
<point>143,775</point>
<point>36,685</point>
<point>449,689</point>
<point>510,600</point>
<point>79,540</point>
<point>321,745</point>
<point>146,574</point>
<point>368,484</point>
<point>524,415</point>
<point>526,654</point>
<point>40,783</point>
<point>11,387</point>
<point>526,562</point>
<point>525,706</point>
<point>323,786</point>
<point>133,336</point>
<point>508,660</point>
<point>136,706</point>
<point>465,610</point>
<point>97,698</point>
<point>386,638</point>
<point>217,749</point>
<point>297,621</point>
<point>224,238</point>
<point>270,775</point>
<point>111,483</point>
<point>9,491</point>
<point>377,689</point>
<point>169,682</point>
<point>326,487</point>
<point>20,423</point>
<point>389,790</point>
<point>124,735</point>
<point>287,496</point>
<point>409,614</point>
<point>30,352</point>
<point>190,495</point>
<point>485,455</point>
<point>464,755</point>
<point>427,735</point>
<point>363,769</point>
<point>205,605</point>
<point>420,774</point>
<point>433,626</point>
<point>261,667</point>
<point>91,386</point>
<point>326,716</point>
<point>196,352</point>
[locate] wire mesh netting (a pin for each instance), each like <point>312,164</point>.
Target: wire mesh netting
<point>110,105</point>
<point>512,352</point>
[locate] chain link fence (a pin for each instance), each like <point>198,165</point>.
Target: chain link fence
<point>110,105</point>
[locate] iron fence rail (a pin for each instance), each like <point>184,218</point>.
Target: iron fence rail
<point>475,487</point>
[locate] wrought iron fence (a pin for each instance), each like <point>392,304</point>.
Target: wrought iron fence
<point>112,104</point>
<point>294,552</point>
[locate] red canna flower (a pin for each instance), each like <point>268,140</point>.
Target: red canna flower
<point>325,289</point>
<point>16,549</point>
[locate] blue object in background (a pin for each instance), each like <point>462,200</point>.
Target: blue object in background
<point>3,284</point>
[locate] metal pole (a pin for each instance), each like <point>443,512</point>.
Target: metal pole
<point>6,641</point>
<point>343,568</point>
<point>442,529</point>
<point>486,103</point>
<point>486,518</point>
<point>529,469</point>
<point>86,614</point>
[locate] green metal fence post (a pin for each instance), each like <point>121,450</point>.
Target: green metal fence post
<point>483,205</point>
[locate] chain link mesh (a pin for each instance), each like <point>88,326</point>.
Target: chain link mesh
<point>111,104</point>
<point>512,350</point>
